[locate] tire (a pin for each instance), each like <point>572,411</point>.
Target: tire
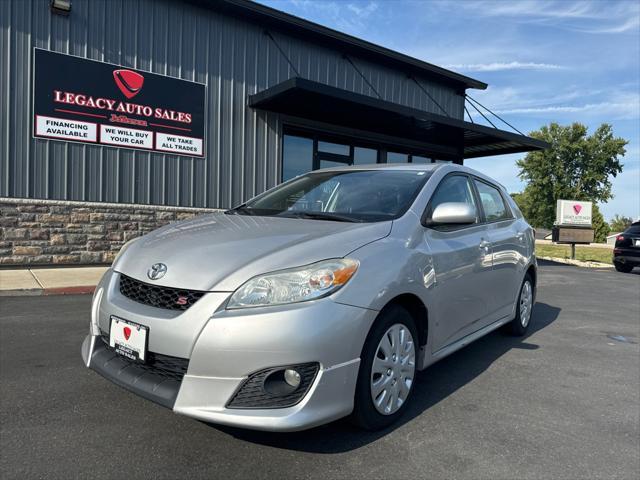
<point>400,366</point>
<point>521,322</point>
<point>622,267</point>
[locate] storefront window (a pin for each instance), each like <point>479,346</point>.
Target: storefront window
<point>297,156</point>
<point>331,164</point>
<point>305,151</point>
<point>364,156</point>
<point>393,157</point>
<point>336,148</point>
<point>419,159</point>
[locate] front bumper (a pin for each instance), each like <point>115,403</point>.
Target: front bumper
<point>227,346</point>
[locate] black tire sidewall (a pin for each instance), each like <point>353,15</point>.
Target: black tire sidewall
<point>620,267</point>
<point>365,414</point>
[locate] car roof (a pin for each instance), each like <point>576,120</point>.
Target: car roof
<point>416,167</point>
<point>420,167</point>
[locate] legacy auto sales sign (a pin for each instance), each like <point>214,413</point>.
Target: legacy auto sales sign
<point>574,213</point>
<point>82,100</point>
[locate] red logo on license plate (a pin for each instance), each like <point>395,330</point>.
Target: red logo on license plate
<point>127,332</point>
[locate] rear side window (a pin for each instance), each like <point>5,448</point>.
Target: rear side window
<point>455,188</point>
<point>634,229</point>
<point>492,202</point>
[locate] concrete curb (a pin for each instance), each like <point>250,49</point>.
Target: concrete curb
<point>25,292</point>
<point>35,292</point>
<point>81,290</point>
<point>577,263</point>
<point>50,281</point>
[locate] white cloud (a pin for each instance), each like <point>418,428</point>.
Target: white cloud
<point>571,102</point>
<point>363,12</point>
<point>632,23</point>
<point>349,17</point>
<point>625,107</point>
<point>590,17</point>
<point>499,66</point>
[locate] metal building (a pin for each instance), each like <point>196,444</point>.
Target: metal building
<point>280,96</point>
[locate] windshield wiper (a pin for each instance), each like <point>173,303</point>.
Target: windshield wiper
<point>239,210</point>
<point>321,216</point>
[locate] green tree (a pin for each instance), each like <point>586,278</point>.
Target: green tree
<point>577,166</point>
<point>600,227</point>
<point>619,223</point>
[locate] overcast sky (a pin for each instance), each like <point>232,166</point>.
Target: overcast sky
<point>544,61</point>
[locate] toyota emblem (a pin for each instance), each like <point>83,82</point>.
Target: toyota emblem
<point>157,271</point>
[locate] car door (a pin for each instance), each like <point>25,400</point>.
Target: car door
<point>508,249</point>
<point>461,263</point>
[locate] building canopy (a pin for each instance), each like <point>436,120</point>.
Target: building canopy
<point>315,101</point>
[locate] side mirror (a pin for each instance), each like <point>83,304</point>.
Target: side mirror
<point>453,213</point>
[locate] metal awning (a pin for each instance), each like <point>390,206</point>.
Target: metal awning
<point>311,100</point>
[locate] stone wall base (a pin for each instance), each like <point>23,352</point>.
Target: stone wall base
<point>56,232</point>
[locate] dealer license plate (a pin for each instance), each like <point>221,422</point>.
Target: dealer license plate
<point>128,339</point>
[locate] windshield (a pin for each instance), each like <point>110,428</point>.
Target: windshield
<point>355,196</point>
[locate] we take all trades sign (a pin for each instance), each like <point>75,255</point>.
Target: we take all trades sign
<point>81,100</point>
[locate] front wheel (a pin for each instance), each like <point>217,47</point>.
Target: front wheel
<point>520,324</point>
<point>387,370</point>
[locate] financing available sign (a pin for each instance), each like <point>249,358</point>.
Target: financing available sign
<point>87,101</point>
<point>574,213</point>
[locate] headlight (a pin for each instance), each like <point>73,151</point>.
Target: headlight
<point>294,285</point>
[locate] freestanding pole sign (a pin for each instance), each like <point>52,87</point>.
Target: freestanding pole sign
<point>573,223</point>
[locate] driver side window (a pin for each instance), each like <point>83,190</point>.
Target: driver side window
<point>455,188</point>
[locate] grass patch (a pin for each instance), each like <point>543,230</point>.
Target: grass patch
<point>583,253</point>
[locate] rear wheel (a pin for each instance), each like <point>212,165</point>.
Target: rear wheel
<point>623,267</point>
<point>520,324</point>
<point>387,370</point>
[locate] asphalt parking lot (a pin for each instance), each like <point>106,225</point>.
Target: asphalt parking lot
<point>560,403</point>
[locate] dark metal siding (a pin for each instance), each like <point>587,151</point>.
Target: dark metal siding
<point>233,57</point>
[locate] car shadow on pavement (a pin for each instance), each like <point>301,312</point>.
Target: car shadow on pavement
<point>433,385</point>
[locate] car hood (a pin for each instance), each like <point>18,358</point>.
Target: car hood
<point>220,252</point>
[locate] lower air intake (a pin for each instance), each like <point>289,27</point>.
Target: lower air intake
<point>253,394</point>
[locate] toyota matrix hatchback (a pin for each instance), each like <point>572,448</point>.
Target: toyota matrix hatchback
<point>318,299</point>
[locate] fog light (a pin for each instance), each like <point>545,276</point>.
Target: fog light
<point>292,377</point>
<point>275,387</point>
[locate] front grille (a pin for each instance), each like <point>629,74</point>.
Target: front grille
<point>156,296</point>
<point>173,368</point>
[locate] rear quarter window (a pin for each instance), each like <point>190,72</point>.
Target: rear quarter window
<point>634,229</point>
<point>493,204</point>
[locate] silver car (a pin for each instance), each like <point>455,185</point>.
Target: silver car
<point>316,300</point>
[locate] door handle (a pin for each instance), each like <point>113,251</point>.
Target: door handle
<point>484,247</point>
